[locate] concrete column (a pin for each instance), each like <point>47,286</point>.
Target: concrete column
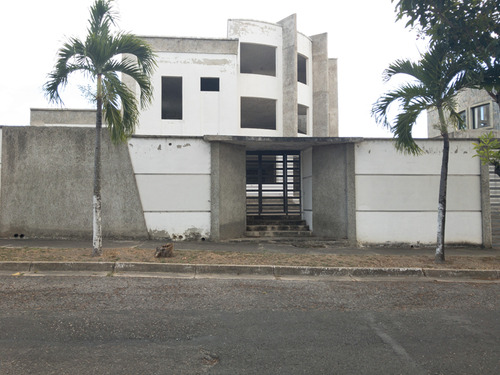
<point>320,69</point>
<point>228,191</point>
<point>486,206</point>
<point>333,197</point>
<point>333,99</point>
<point>290,96</point>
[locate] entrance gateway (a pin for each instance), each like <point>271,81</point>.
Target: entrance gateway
<point>273,183</point>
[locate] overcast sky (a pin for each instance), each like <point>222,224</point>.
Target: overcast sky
<point>362,35</point>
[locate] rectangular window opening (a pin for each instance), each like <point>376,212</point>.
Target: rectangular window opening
<point>171,98</point>
<point>258,59</point>
<point>481,116</point>
<point>209,84</point>
<point>302,128</point>
<point>463,117</point>
<point>258,113</point>
<point>302,69</point>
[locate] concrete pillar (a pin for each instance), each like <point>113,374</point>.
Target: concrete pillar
<point>333,99</point>
<point>486,206</point>
<point>333,199</point>
<point>290,96</point>
<point>320,68</point>
<point>228,191</point>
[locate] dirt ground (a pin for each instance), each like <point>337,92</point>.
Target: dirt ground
<point>220,257</point>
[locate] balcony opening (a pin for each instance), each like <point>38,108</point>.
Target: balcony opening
<point>258,113</point>
<point>258,59</point>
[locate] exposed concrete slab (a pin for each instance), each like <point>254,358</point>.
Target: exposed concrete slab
<point>193,45</point>
<point>280,143</point>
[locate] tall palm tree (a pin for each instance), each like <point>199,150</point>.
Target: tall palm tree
<point>102,56</point>
<point>434,82</point>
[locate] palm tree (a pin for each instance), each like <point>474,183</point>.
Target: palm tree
<point>435,81</point>
<point>99,58</point>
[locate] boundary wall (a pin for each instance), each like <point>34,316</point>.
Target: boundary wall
<point>194,188</point>
<point>397,194</point>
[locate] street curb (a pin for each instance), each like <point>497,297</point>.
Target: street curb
<point>263,270</point>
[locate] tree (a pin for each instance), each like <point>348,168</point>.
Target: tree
<point>488,150</point>
<point>435,81</point>
<point>470,29</point>
<point>102,56</point>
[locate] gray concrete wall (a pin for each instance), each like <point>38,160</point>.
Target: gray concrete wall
<point>290,95</point>
<point>333,193</point>
<point>228,191</point>
<point>47,116</point>
<point>47,182</point>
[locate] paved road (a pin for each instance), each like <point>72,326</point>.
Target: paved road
<point>133,325</point>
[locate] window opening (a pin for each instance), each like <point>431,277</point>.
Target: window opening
<point>258,113</point>
<point>302,128</point>
<point>209,84</point>
<point>302,69</point>
<point>171,98</point>
<point>481,116</point>
<point>258,59</point>
<point>463,117</point>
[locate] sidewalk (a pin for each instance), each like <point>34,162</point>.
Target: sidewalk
<point>243,246</point>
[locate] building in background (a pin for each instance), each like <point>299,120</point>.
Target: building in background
<point>481,114</point>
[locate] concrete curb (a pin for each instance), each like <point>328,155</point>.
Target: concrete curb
<point>274,271</point>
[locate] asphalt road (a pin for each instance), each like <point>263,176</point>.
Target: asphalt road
<point>139,325</point>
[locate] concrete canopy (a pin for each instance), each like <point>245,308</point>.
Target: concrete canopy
<point>280,143</point>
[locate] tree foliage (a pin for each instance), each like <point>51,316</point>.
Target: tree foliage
<point>488,150</point>
<point>99,57</point>
<point>468,28</point>
<point>433,82</point>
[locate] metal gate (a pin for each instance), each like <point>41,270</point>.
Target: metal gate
<point>273,183</point>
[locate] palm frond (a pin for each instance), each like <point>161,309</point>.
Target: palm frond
<point>435,80</point>
<point>120,108</point>
<point>99,57</point>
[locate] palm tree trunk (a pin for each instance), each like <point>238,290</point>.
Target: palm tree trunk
<point>97,227</point>
<point>442,200</point>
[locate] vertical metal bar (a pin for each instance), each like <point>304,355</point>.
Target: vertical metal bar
<point>259,181</point>
<point>285,183</point>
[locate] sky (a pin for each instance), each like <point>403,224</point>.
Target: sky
<point>363,35</point>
